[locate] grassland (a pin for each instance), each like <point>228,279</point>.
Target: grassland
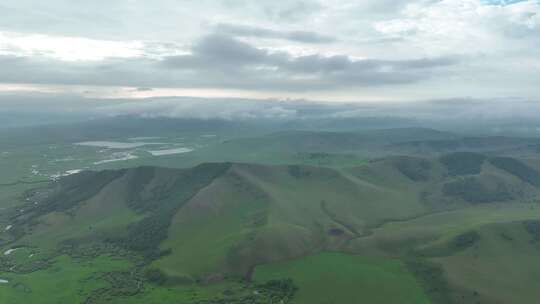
<point>502,265</point>
<point>501,260</point>
<point>187,293</point>
<point>344,229</point>
<point>245,217</point>
<point>67,281</point>
<point>340,278</point>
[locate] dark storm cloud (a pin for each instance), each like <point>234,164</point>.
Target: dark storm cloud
<point>259,32</point>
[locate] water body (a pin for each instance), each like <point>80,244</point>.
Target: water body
<point>10,251</point>
<point>143,138</point>
<point>68,172</point>
<point>116,144</point>
<point>170,151</point>
<point>117,157</point>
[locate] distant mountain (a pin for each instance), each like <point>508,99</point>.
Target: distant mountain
<point>491,144</point>
<point>123,127</point>
<point>287,143</point>
<point>282,147</point>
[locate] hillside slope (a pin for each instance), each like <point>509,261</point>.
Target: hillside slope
<point>213,221</point>
<point>296,210</point>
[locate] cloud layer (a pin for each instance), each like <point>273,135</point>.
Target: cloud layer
<point>221,61</point>
<point>338,49</point>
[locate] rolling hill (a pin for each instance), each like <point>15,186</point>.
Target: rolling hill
<point>346,149</point>
<point>218,222</point>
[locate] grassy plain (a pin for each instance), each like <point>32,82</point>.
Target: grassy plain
<point>340,278</point>
<point>67,281</point>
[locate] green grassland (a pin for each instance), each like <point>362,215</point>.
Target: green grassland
<point>489,267</point>
<point>66,281</point>
<point>500,266</point>
<point>256,214</point>
<point>340,278</point>
<point>39,162</point>
<point>389,230</point>
<point>24,163</point>
<point>24,156</point>
<point>186,293</point>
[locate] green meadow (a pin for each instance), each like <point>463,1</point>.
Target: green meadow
<point>341,278</point>
<point>66,281</point>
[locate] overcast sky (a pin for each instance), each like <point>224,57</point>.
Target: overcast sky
<point>335,50</point>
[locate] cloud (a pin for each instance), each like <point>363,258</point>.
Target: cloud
<point>260,32</point>
<point>121,19</point>
<point>332,48</point>
<point>470,111</point>
<point>466,26</point>
<point>494,115</point>
<point>67,48</point>
<point>200,108</point>
<point>224,54</point>
<point>220,61</point>
<point>291,10</point>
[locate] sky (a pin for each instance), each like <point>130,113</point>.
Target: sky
<point>321,50</point>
